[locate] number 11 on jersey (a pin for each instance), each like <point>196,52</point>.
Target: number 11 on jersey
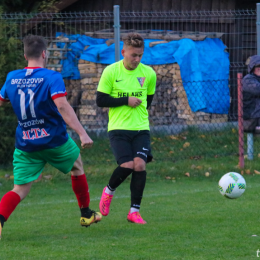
<point>22,103</point>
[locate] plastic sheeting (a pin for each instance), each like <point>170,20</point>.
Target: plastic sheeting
<point>204,66</point>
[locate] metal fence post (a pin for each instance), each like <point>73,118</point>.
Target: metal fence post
<point>250,146</point>
<point>258,27</point>
<point>117,31</point>
<point>240,121</point>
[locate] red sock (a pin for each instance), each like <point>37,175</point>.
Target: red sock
<point>8,204</point>
<point>80,188</point>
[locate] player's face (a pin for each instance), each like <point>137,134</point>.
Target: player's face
<point>132,57</point>
<point>257,71</point>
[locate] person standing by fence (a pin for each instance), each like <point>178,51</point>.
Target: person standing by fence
<point>38,97</point>
<point>251,96</point>
<point>127,88</point>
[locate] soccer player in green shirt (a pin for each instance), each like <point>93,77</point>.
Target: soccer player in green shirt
<point>127,88</point>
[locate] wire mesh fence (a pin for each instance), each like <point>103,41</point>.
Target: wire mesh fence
<point>189,119</point>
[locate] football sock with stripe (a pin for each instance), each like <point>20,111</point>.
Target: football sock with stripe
<point>137,187</point>
<point>80,188</point>
<point>118,176</point>
<point>109,190</point>
<point>132,210</point>
<point>8,204</point>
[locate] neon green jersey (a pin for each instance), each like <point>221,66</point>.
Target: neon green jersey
<point>118,82</point>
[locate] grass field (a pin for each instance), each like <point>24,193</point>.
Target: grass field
<point>187,217</point>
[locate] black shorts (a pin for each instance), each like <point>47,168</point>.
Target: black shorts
<point>126,145</point>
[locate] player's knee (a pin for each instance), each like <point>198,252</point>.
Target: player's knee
<point>22,190</point>
<point>139,165</point>
<point>129,165</point>
<point>139,168</point>
<point>77,168</point>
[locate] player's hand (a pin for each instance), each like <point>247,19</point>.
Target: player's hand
<point>134,102</point>
<point>86,141</point>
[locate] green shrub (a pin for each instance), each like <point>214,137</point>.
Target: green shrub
<point>11,58</point>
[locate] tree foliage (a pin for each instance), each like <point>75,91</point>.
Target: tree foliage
<point>11,58</point>
<point>28,6</point>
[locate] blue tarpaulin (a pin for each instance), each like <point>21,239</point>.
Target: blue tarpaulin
<point>204,66</point>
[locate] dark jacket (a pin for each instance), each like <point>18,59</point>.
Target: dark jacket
<point>251,91</point>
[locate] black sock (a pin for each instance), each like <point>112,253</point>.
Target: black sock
<point>118,176</point>
<point>86,212</point>
<point>2,220</point>
<point>137,188</point>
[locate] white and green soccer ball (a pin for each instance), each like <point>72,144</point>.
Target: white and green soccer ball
<point>232,185</point>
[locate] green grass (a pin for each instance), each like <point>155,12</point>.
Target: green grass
<point>187,219</point>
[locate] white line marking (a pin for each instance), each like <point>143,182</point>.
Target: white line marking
<point>115,197</point>
<point>24,204</point>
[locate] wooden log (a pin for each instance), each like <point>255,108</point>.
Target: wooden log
<point>87,66</point>
<point>166,37</point>
<point>86,81</point>
<point>95,80</point>
<point>100,70</point>
<point>172,71</point>
<point>88,87</point>
<point>83,61</point>
<point>162,71</point>
<point>110,42</point>
<point>88,70</point>
<point>88,75</point>
<point>63,39</point>
<point>152,44</point>
<point>87,111</point>
<point>57,54</point>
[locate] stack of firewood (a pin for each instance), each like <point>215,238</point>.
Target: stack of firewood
<point>170,104</point>
<point>89,114</point>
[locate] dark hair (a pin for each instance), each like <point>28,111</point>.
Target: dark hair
<point>34,45</point>
<point>134,40</point>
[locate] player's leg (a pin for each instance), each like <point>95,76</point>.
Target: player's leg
<point>10,201</point>
<point>137,187</point>
<point>120,142</point>
<point>81,190</point>
<point>119,175</point>
<point>22,190</point>
<point>66,158</point>
<point>27,168</point>
<point>142,153</point>
<point>137,183</point>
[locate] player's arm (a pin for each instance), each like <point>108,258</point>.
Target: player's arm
<point>72,121</point>
<point>151,89</point>
<point>149,100</point>
<point>104,90</point>
<point>4,100</point>
<point>105,100</point>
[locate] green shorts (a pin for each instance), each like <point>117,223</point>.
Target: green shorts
<point>29,166</point>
